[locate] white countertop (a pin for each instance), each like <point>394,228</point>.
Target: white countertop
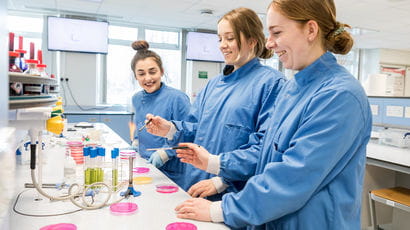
<point>155,210</point>
<point>391,154</point>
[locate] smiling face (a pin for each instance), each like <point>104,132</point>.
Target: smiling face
<point>148,74</point>
<point>229,46</point>
<point>295,43</point>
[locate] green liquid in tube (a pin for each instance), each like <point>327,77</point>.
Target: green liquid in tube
<point>115,178</point>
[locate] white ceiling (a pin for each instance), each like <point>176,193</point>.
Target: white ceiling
<point>386,23</point>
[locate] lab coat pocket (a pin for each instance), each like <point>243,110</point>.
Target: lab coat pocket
<point>237,134</point>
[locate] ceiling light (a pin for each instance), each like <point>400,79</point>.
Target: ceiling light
<point>207,12</point>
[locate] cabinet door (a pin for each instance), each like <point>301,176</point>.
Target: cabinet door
<point>119,124</point>
<point>82,118</point>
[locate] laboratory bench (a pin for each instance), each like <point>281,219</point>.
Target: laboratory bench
<point>116,120</point>
<point>155,210</point>
<point>386,195</point>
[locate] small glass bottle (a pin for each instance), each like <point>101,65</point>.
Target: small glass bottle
<point>32,67</point>
<point>12,62</point>
<point>42,70</point>
<point>20,61</point>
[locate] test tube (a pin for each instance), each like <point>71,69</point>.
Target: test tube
<point>32,50</point>
<point>11,41</point>
<point>93,165</point>
<point>86,153</point>
<point>100,163</point>
<point>114,159</point>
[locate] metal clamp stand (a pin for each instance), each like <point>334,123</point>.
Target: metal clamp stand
<point>130,190</point>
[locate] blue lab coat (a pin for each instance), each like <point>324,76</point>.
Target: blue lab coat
<point>230,114</point>
<point>310,172</point>
<point>168,103</point>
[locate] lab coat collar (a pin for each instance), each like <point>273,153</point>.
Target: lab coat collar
<point>237,74</point>
<point>163,86</point>
<point>313,71</point>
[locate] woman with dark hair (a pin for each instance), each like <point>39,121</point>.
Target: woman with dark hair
<point>156,98</point>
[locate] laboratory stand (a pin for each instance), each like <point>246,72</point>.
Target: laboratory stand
<point>152,209</point>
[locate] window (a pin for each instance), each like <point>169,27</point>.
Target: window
<point>122,33</point>
<point>350,61</point>
<point>171,60</point>
<point>120,83</point>
<point>166,37</point>
<point>30,28</point>
<point>25,24</point>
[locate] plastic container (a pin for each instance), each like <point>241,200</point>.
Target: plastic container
<point>76,151</point>
<point>140,170</point>
<point>142,180</point>
<point>124,208</point>
<point>166,188</point>
<point>395,137</point>
<point>61,226</point>
<point>181,226</point>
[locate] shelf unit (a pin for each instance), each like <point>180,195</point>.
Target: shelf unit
<point>28,101</point>
<point>397,197</point>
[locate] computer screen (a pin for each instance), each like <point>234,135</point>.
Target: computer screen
<point>75,35</point>
<point>203,47</point>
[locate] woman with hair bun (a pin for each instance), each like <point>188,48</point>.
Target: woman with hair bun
<point>156,98</point>
<point>310,171</point>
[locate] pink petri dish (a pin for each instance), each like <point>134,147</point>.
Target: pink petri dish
<point>124,208</point>
<point>166,188</point>
<point>61,226</point>
<point>181,226</point>
<point>140,170</point>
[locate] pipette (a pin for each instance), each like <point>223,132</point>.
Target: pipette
<point>167,148</point>
<point>146,123</point>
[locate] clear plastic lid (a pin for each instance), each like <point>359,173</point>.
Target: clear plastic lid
<point>61,226</point>
<point>181,226</point>
<point>124,208</point>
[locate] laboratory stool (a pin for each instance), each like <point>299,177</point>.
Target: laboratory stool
<point>397,197</point>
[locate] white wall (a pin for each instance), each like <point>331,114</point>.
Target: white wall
<point>194,84</point>
<point>81,70</point>
<point>3,65</point>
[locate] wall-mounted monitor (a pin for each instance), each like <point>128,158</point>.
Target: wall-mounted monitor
<point>75,35</point>
<point>203,47</point>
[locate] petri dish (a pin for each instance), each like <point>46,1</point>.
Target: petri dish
<point>142,180</point>
<point>60,226</point>
<point>124,208</point>
<point>181,226</point>
<point>166,188</point>
<point>140,170</point>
